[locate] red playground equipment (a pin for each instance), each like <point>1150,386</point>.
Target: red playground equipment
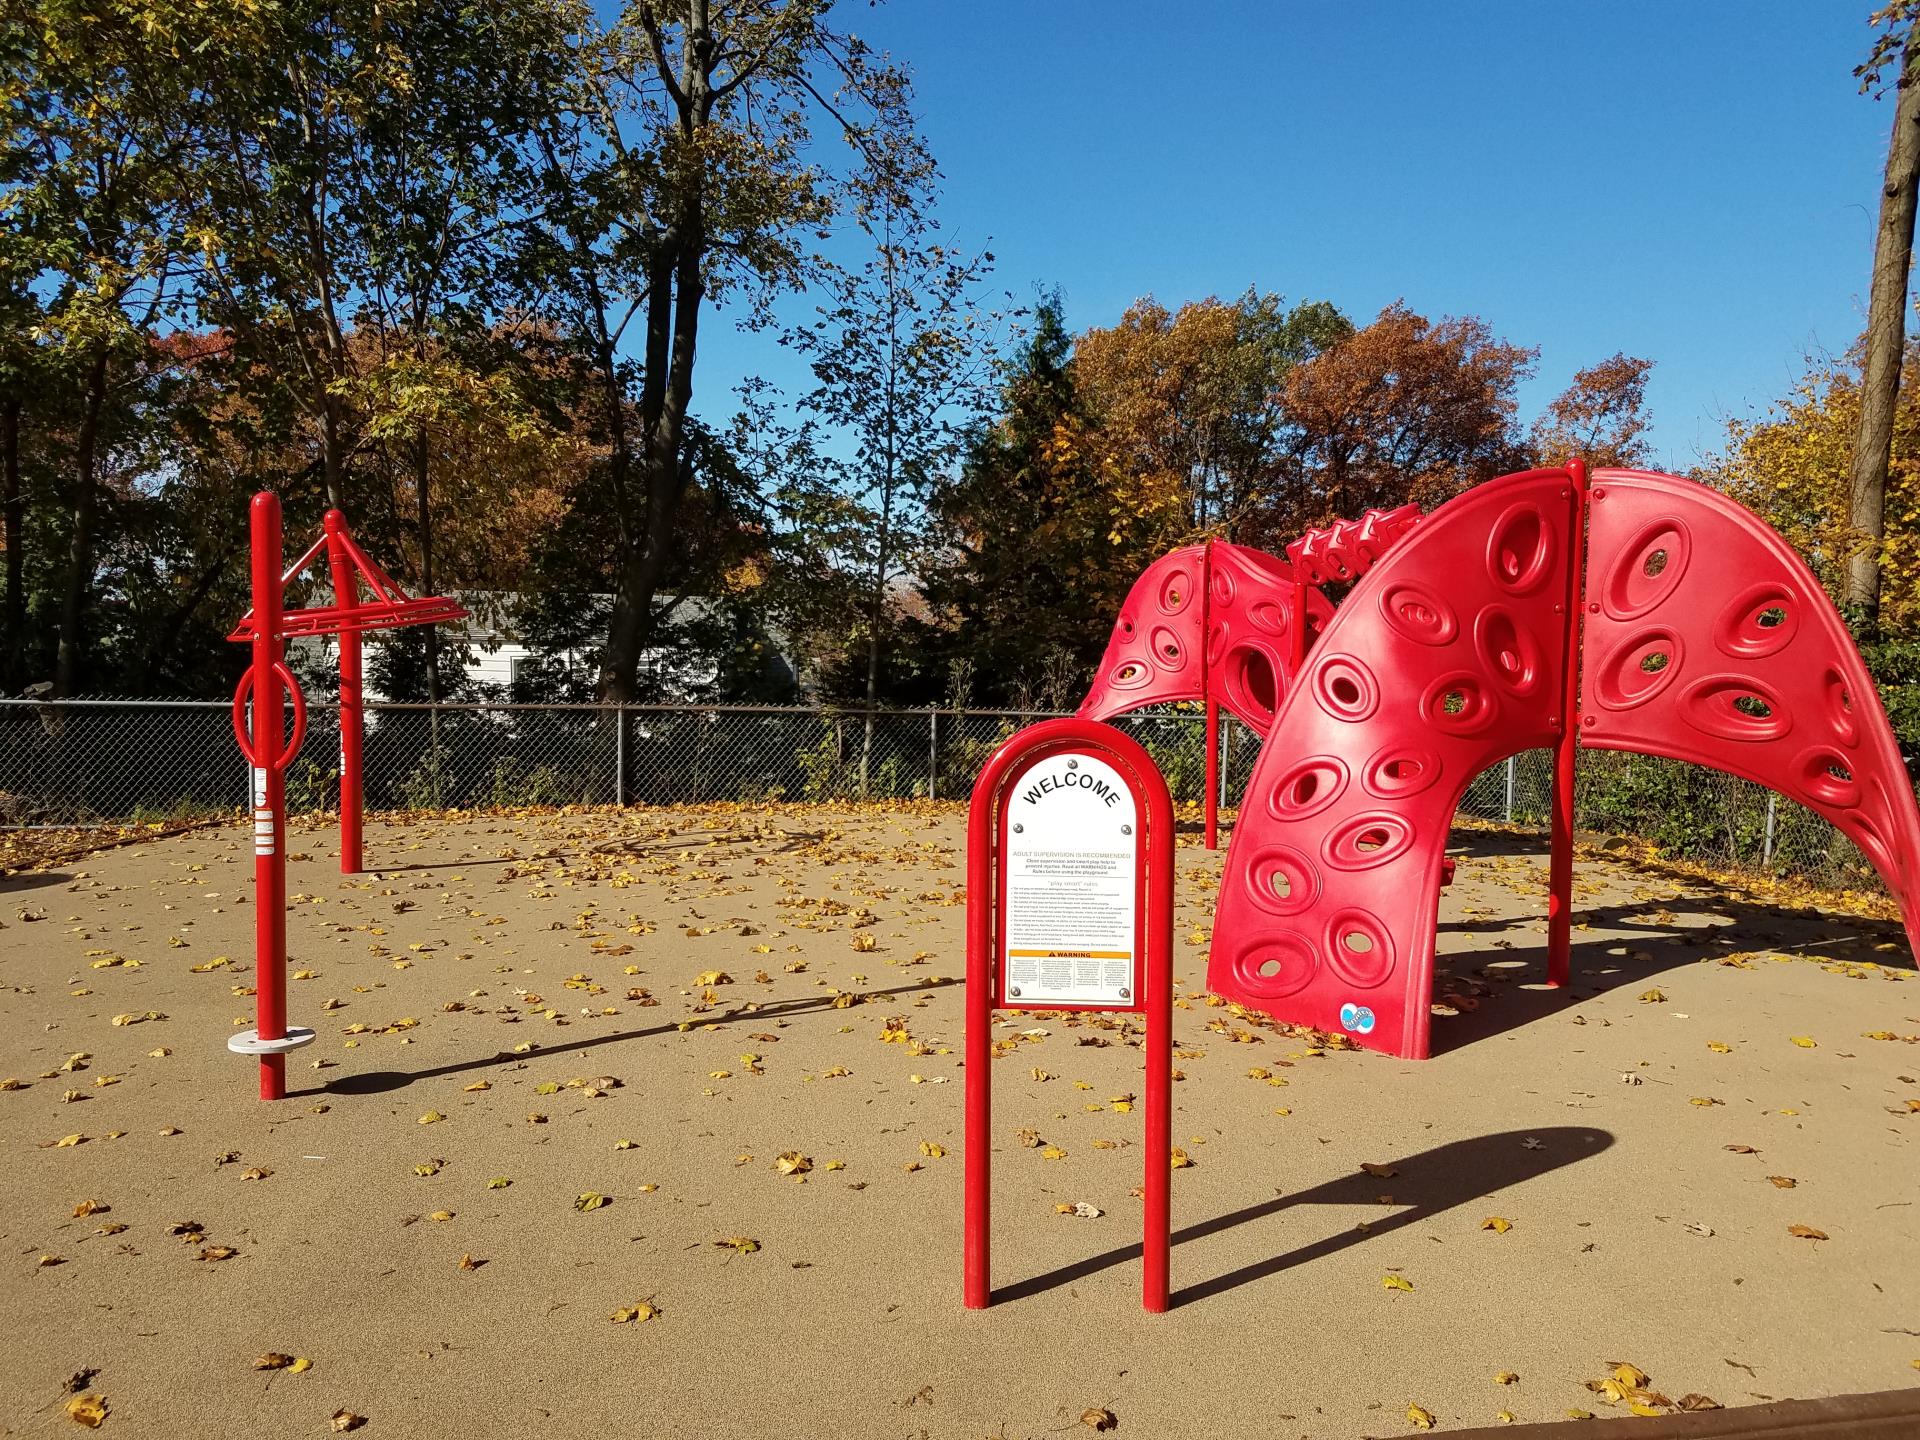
<point>1231,625</point>
<point>267,683</point>
<point>1697,634</point>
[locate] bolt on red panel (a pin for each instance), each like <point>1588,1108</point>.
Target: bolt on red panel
<point>1707,639</point>
<point>1445,659</point>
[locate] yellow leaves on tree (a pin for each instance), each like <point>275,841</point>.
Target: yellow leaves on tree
<point>1792,468</point>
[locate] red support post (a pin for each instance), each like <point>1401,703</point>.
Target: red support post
<point>986,904</point>
<point>1210,802</point>
<point>269,799</point>
<point>346,595</point>
<point>1566,752</point>
<point>268,684</point>
<point>1212,806</point>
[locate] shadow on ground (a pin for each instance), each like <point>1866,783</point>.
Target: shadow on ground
<point>1501,983</point>
<point>1429,1183</point>
<point>32,880</point>
<point>382,1082</point>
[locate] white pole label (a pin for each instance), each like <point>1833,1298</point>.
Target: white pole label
<point>1068,934</point>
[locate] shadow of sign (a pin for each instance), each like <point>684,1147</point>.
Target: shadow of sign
<point>1433,1182</point>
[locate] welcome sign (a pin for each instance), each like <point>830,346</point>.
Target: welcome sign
<point>1070,917</point>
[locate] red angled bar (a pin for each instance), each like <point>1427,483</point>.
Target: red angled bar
<point>1152,995</point>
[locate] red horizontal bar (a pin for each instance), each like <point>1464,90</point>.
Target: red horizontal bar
<point>357,619</point>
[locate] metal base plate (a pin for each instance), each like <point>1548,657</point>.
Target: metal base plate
<point>248,1042</point>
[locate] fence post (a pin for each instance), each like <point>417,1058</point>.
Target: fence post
<point>620,755</point>
<point>1766,848</point>
<point>933,755</point>
<point>1510,763</point>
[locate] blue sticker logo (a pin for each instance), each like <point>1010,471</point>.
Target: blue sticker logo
<point>1357,1018</point>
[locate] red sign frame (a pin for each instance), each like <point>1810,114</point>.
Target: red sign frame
<point>1152,992</point>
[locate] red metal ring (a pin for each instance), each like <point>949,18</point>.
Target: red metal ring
<point>240,694</point>
<point>292,747</point>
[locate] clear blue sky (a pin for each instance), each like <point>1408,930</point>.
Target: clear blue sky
<point>1692,182</point>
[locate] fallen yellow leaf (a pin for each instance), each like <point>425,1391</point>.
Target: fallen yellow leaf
<point>89,1410</point>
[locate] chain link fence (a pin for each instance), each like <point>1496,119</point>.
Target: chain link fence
<point>99,762</point>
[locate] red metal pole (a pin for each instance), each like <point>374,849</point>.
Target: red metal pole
<point>976,1264</point>
<point>1566,753</point>
<point>269,798</point>
<point>1155,810</point>
<point>1158,1141</point>
<point>1210,803</point>
<point>1299,636</point>
<point>346,592</point>
<point>1213,774</point>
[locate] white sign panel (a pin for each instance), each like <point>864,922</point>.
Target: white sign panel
<point>1069,929</point>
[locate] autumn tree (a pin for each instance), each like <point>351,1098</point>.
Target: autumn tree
<point>1792,466</point>
<point>1189,402</point>
<point>1038,535</point>
<point>1600,418</point>
<point>97,248</point>
<point>681,168</point>
<point>1405,409</point>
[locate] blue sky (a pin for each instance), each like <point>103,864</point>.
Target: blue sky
<point>1693,182</point>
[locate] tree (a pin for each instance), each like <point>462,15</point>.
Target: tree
<point>1190,402</point>
<point>1792,466</point>
<point>1039,535</point>
<point>901,351</point>
<point>688,142</point>
<point>1403,410</point>
<point>1600,418</point>
<point>99,241</point>
<point>1887,302</point>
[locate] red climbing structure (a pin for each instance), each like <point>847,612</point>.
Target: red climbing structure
<point>1704,638</point>
<point>1231,625</point>
<point>1709,640</point>
<point>1447,658</point>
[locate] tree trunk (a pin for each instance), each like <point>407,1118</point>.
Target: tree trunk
<point>1886,338</point>
<point>12,657</point>
<point>424,512</point>
<point>69,660</point>
<point>874,619</point>
<point>663,473</point>
<point>332,458</point>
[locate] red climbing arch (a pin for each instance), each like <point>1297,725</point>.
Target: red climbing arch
<point>1709,640</point>
<point>1449,656</point>
<point>1220,622</point>
<point>1704,638</point>
<point>1206,622</point>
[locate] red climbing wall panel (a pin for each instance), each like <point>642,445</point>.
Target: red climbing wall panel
<point>1446,658</point>
<point>1250,618</point>
<point>1154,654</point>
<point>1708,640</point>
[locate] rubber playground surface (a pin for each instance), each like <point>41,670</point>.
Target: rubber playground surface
<point>649,1124</point>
